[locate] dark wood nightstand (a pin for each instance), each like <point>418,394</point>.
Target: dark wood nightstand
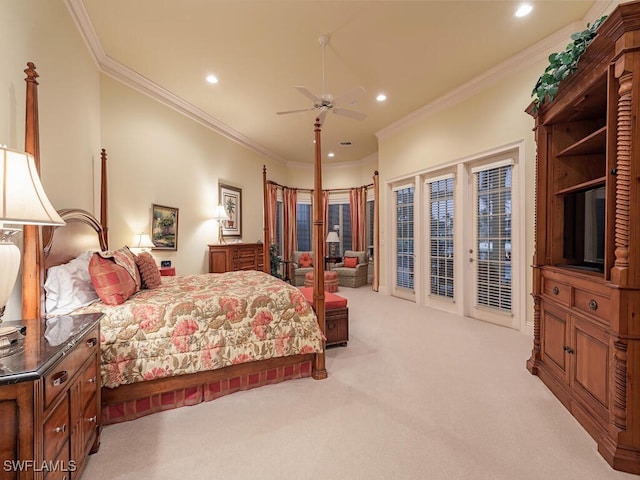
<point>331,260</point>
<point>50,397</point>
<point>167,271</point>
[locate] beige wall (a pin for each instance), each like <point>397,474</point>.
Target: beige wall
<point>335,176</point>
<point>157,155</point>
<point>490,119</point>
<point>41,31</point>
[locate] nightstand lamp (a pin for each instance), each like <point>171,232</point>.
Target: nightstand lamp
<point>220,215</point>
<point>334,242</point>
<point>141,243</point>
<point>22,202</point>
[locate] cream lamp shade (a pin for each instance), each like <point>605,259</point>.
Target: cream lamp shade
<point>22,202</point>
<point>333,240</point>
<point>220,215</point>
<point>141,243</point>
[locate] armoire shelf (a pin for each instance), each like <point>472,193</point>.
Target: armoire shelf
<point>592,144</point>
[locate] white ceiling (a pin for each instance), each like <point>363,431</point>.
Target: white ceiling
<point>413,51</point>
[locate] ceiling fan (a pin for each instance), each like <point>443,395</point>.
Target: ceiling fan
<point>326,102</point>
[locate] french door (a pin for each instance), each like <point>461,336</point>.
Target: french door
<point>489,244</point>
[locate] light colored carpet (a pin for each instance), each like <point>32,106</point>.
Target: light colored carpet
<point>417,394</point>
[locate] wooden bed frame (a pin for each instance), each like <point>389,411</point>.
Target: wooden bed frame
<point>83,231</point>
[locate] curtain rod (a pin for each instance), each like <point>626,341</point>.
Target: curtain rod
<point>324,190</point>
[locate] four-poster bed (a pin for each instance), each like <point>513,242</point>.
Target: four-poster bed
<point>129,401</point>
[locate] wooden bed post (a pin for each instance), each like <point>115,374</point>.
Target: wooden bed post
<point>266,250</point>
<point>319,370</point>
<point>32,256</point>
<point>103,195</point>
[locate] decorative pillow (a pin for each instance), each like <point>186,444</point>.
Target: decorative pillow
<point>69,286</point>
<point>149,272</point>
<point>351,262</point>
<point>113,283</point>
<point>305,260</point>
<point>126,258</point>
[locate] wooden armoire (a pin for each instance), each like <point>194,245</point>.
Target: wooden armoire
<point>586,265</point>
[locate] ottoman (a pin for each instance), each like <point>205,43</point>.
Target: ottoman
<point>336,317</point>
<point>330,281</point>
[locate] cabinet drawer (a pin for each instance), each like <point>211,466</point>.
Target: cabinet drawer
<point>60,376</point>
<point>593,304</point>
<point>56,430</point>
<point>560,292</point>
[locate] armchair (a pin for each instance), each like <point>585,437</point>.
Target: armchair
<point>298,271</point>
<point>352,276</point>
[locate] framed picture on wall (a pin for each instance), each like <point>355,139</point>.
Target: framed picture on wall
<point>164,227</point>
<point>231,198</point>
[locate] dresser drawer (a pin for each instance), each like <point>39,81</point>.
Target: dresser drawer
<point>593,303</point>
<point>57,380</point>
<point>56,430</point>
<point>560,292</point>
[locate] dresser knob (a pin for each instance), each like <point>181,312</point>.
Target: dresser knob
<point>556,290</point>
<point>61,429</point>
<point>92,342</point>
<point>92,380</point>
<point>593,305</point>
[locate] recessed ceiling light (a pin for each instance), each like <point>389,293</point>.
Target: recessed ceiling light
<point>212,79</point>
<point>524,10</point>
<point>331,155</point>
<point>381,97</point>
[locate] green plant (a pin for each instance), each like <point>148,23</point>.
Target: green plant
<point>274,261</point>
<point>563,64</point>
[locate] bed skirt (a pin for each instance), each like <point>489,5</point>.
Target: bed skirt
<point>129,402</point>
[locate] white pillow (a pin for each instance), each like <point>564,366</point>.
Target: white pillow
<point>69,286</point>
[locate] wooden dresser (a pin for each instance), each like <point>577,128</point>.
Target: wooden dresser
<point>235,256</point>
<point>50,400</point>
<point>586,265</point>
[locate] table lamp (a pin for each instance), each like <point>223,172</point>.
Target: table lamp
<point>141,243</point>
<point>334,241</point>
<point>220,215</point>
<point>22,202</point>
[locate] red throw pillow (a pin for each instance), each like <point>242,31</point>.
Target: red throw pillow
<point>305,260</point>
<point>148,270</point>
<point>112,282</point>
<point>350,262</point>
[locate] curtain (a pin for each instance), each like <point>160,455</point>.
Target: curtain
<point>290,196</point>
<point>358,207</point>
<point>375,284</point>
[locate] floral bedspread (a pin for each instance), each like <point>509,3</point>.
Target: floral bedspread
<point>203,322</point>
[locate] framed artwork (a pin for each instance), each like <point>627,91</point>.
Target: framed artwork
<point>164,227</point>
<point>231,198</point>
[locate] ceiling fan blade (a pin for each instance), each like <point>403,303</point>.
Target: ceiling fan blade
<point>304,91</point>
<point>350,96</point>
<point>349,113</point>
<point>296,111</point>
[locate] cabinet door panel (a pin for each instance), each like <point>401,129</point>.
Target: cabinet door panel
<point>555,340</point>
<point>590,377</point>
